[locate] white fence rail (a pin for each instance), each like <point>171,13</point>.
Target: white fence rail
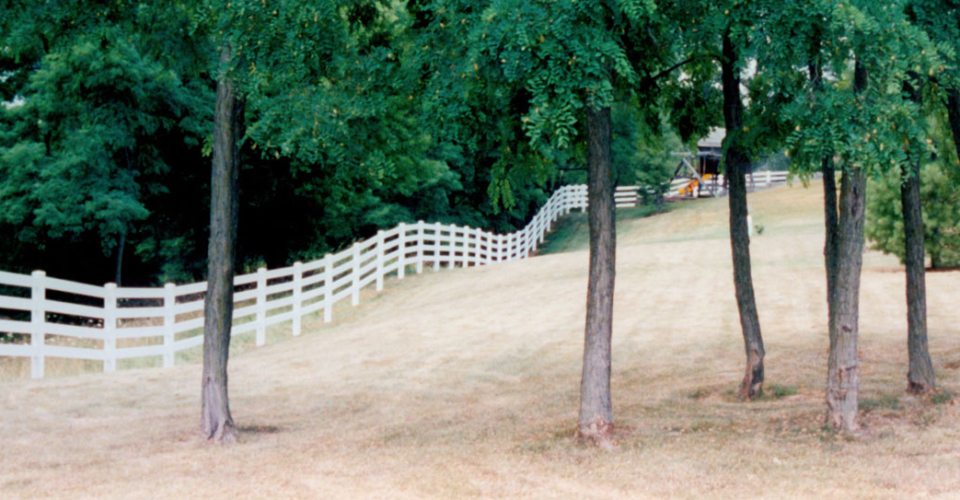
<point>170,318</point>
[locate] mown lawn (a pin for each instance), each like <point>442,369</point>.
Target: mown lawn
<point>464,384</point>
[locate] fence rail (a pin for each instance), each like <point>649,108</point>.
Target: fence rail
<point>47,309</point>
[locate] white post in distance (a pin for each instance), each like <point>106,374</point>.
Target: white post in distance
<point>110,327</point>
<point>38,294</point>
<point>169,319</point>
<point>261,306</point>
<point>297,293</point>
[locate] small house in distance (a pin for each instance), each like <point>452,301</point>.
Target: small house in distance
<point>710,152</point>
<point>701,177</point>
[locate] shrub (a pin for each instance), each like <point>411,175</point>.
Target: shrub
<point>941,215</point>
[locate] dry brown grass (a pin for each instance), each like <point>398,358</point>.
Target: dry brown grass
<point>464,384</point>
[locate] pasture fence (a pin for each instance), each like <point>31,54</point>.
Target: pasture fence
<point>72,320</point>
<point>65,319</point>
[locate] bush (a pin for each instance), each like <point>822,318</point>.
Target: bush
<point>941,215</point>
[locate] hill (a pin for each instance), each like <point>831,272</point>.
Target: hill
<point>464,384</point>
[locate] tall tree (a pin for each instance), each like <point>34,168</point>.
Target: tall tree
<point>920,375</point>
<point>596,410</point>
<point>737,163</point>
<point>719,36</point>
<point>564,62</point>
<point>216,422</point>
<point>855,118</point>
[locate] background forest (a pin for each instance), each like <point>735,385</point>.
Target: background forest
<point>105,135</point>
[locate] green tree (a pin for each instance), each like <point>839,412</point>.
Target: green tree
<point>941,215</point>
<point>862,119</point>
<point>719,36</point>
<point>106,117</point>
<point>562,65</point>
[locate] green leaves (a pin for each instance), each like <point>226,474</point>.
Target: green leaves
<point>82,140</point>
<point>941,215</point>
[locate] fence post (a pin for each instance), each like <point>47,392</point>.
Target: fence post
<point>551,203</point>
<point>466,245</point>
<point>769,178</point>
<point>297,292</point>
<point>437,244</point>
<point>355,275</point>
<point>380,244</point>
<point>328,288</point>
<point>169,319</point>
<point>261,306</point>
<point>483,251</point>
<point>419,246</point>
<point>110,327</point>
<point>543,225</point>
<point>453,247</point>
<point>500,238</point>
<point>402,251</point>
<point>38,294</point>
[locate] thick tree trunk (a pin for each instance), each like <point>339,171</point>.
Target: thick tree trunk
<point>843,368</point>
<point>216,421</point>
<point>596,412</point>
<point>843,364</point>
<point>736,164</point>
<point>920,377</point>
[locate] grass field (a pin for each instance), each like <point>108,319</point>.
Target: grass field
<point>464,384</point>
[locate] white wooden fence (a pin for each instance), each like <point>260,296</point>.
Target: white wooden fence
<point>170,319</point>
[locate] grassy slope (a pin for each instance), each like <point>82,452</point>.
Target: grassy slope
<point>463,384</point>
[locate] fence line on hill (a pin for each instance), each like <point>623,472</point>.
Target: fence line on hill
<point>40,306</point>
<point>49,309</point>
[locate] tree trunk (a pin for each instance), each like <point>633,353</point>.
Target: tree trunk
<point>121,244</point>
<point>596,412</point>
<point>829,192</point>
<point>736,164</point>
<point>216,422</point>
<point>843,364</point>
<point>920,376</point>
<point>830,256</point>
<point>843,369</point>
<point>953,115</point>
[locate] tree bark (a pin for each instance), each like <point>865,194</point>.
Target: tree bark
<point>216,421</point>
<point>830,217</point>
<point>953,115</point>
<point>736,163</point>
<point>843,365</point>
<point>843,368</point>
<point>596,412</point>
<point>831,221</point>
<point>920,375</point>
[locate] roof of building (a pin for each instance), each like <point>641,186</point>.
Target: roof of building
<point>714,139</point>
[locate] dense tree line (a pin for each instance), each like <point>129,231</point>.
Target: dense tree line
<point>106,138</point>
